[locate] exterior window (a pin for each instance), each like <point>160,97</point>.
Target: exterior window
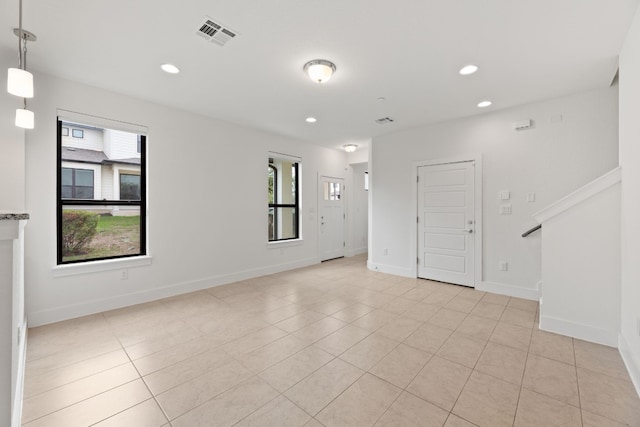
<point>76,133</point>
<point>332,191</point>
<point>101,197</point>
<point>283,199</point>
<point>366,181</point>
<point>65,131</point>
<point>77,183</point>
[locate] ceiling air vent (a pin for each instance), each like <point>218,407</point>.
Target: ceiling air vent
<point>215,32</point>
<point>384,120</point>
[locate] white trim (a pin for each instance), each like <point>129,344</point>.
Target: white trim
<point>580,195</point>
<point>101,122</point>
<point>16,416</point>
<point>631,362</point>
<point>57,314</point>
<point>89,267</point>
<point>356,251</point>
<point>283,156</point>
<point>578,330</point>
<point>477,161</point>
<point>390,269</point>
<point>510,290</point>
<point>284,243</point>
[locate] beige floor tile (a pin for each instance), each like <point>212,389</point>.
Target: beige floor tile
<point>253,340</point>
<point>512,336</point>
<point>505,363</point>
<point>552,346</point>
<point>551,378</point>
<point>320,329</point>
<point>518,317</point>
<point>330,307</point>
<point>609,397</point>
<point>280,412</point>
<point>369,351</point>
<point>421,312</point>
<point>417,294</point>
<point>440,382</point>
<point>477,327</point>
<point>377,299</point>
<point>281,313</point>
<point>71,353</point>
<point>537,410</point>
<point>488,310</point>
<point>353,312</point>
<point>39,382</point>
<point>399,305</point>
<point>495,299</point>
<point>53,400</point>
<point>428,338</point>
<point>411,411</point>
<point>401,365</point>
<point>317,390</point>
<point>600,358</point>
<point>229,407</point>
<point>445,318</point>
<point>399,329</point>
<point>313,423</point>
<point>374,320</point>
<point>299,321</point>
<point>464,305</point>
<point>185,370</point>
<point>343,339</point>
<point>287,373</point>
<point>487,401</point>
<point>399,289</point>
<point>462,349</point>
<point>439,298</point>
<point>165,342</point>
<point>264,357</point>
<point>456,421</point>
<point>371,395</point>
<point>593,420</point>
<point>188,395</point>
<point>145,414</point>
<point>523,304</point>
<point>97,408</point>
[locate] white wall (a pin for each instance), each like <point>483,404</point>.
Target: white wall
<point>207,204</point>
<point>630,162</point>
<point>12,143</point>
<point>358,210</point>
<point>574,140</point>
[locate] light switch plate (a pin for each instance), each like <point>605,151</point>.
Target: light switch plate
<point>505,195</point>
<point>531,197</point>
<point>505,209</point>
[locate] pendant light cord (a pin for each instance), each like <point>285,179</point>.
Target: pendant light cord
<point>20,37</point>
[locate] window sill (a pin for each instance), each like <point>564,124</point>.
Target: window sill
<point>98,266</point>
<point>285,243</point>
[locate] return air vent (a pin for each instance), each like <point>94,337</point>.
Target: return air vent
<point>384,120</point>
<point>215,32</point>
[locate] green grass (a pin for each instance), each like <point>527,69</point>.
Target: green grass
<point>116,235</point>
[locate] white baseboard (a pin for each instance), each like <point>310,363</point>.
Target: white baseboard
<point>57,314</point>
<point>390,269</point>
<point>631,361</point>
<point>357,251</point>
<point>510,290</point>
<point>578,330</point>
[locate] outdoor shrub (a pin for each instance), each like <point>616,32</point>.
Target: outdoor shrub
<point>78,228</point>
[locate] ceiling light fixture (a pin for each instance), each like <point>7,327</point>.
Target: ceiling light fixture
<point>19,80</point>
<point>319,70</point>
<point>484,104</point>
<point>170,68</point>
<point>468,69</point>
<point>350,148</point>
<point>311,120</point>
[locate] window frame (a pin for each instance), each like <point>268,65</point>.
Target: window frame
<point>61,203</point>
<point>296,205</point>
<point>65,131</point>
<point>73,133</point>
<point>73,180</point>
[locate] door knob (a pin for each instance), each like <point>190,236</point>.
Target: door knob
<point>468,230</point>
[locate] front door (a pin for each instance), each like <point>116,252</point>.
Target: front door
<point>332,241</point>
<point>446,223</point>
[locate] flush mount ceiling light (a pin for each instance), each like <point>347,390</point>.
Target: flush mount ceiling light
<point>484,104</point>
<point>468,69</point>
<point>170,68</point>
<point>310,120</point>
<point>319,70</point>
<point>19,80</point>
<point>350,148</point>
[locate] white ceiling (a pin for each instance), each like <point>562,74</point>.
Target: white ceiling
<point>407,51</point>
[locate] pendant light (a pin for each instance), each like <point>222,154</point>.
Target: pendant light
<point>19,80</point>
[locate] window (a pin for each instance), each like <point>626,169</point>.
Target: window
<point>283,198</point>
<point>77,133</point>
<point>101,197</point>
<point>77,183</point>
<point>332,191</point>
<point>366,180</point>
<point>65,131</point>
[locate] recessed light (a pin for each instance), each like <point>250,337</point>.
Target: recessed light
<point>311,120</point>
<point>468,69</point>
<point>170,68</point>
<point>484,104</point>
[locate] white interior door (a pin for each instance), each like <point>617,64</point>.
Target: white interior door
<point>446,223</point>
<point>332,218</point>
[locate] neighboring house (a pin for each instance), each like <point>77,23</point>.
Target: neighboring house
<point>100,164</point>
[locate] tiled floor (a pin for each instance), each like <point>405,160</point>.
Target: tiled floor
<point>330,345</point>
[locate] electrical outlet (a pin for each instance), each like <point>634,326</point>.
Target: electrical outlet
<point>386,251</point>
<point>503,265</point>
<point>124,274</point>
